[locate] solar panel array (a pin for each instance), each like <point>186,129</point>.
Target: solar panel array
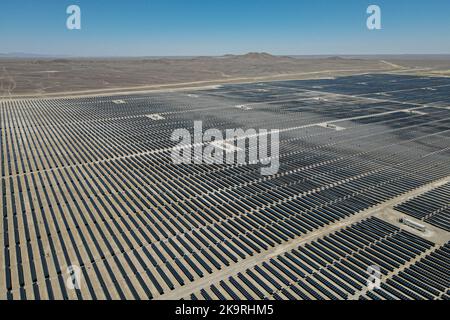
<point>335,267</point>
<point>90,182</point>
<point>432,207</point>
<point>427,278</point>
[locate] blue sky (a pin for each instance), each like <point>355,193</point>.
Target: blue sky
<point>216,27</point>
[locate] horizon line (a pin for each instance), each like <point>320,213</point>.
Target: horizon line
<point>54,55</point>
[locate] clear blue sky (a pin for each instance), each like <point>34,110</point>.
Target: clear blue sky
<point>216,27</point>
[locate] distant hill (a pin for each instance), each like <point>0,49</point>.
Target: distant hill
<point>252,55</point>
<point>44,74</point>
<point>335,58</point>
<point>257,57</point>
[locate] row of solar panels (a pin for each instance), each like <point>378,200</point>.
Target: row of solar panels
<point>113,136</point>
<point>140,227</point>
<point>428,278</point>
<point>337,266</point>
<point>275,226</point>
<point>432,207</point>
<point>99,139</point>
<point>156,224</point>
<point>400,87</point>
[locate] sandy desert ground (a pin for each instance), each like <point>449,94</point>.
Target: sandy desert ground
<point>47,76</point>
